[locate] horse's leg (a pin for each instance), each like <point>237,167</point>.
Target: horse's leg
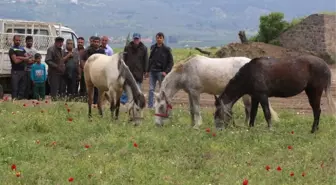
<point>247,107</point>
<point>117,107</point>
<point>100,101</point>
<point>314,96</point>
<point>112,105</point>
<point>254,110</point>
<point>191,109</point>
<point>195,97</point>
<point>266,109</point>
<point>90,98</point>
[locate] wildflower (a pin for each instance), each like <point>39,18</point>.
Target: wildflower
<point>290,147</point>
<point>46,101</point>
<point>292,132</point>
<point>135,145</point>
<point>245,182</point>
<point>207,130</point>
<point>70,179</point>
<point>279,168</point>
<point>292,174</point>
<point>70,119</point>
<point>267,167</point>
<point>87,146</point>
<point>303,174</point>
<point>68,110</point>
<point>37,141</point>
<point>18,174</point>
<point>214,134</point>
<point>13,167</point>
<point>24,105</point>
<point>322,164</point>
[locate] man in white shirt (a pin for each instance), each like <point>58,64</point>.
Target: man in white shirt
<point>105,46</point>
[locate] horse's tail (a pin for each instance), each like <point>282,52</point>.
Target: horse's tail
<point>331,103</point>
<point>273,113</point>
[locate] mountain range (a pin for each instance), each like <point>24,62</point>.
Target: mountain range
<point>215,21</point>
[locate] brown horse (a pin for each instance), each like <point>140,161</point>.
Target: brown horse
<point>269,77</point>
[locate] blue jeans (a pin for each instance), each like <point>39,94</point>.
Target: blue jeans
<point>153,78</point>
<point>124,98</point>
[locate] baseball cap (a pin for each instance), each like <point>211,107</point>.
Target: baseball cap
<point>136,36</point>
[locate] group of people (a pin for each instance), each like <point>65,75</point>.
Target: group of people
<point>65,66</point>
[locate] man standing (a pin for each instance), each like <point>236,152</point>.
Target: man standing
<point>71,60</point>
<point>31,51</point>
<point>160,64</point>
<point>18,58</point>
<point>136,58</point>
<point>56,67</point>
<point>104,45</point>
<point>80,49</point>
<point>94,48</point>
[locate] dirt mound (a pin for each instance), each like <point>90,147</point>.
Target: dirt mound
<point>257,49</point>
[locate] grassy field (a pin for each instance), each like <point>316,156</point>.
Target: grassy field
<point>53,143</point>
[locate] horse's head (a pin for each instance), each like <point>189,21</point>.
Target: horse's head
<point>135,109</point>
<point>223,113</point>
<point>162,107</point>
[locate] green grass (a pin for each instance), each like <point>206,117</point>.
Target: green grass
<point>174,154</point>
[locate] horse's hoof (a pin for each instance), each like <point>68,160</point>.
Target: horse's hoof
<point>271,129</point>
<point>196,127</point>
<point>219,129</point>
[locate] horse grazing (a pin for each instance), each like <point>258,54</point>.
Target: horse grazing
<point>268,77</point>
<point>199,74</point>
<point>111,75</point>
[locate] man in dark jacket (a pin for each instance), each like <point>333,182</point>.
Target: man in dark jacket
<point>92,49</point>
<point>160,64</point>
<point>136,58</point>
<point>56,67</point>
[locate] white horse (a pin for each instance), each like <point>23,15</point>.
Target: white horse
<point>111,75</point>
<point>199,74</point>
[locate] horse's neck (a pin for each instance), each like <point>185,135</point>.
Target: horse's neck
<point>170,85</point>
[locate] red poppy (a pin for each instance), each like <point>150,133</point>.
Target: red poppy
<point>13,167</point>
<point>68,110</point>
<point>5,98</point>
<point>135,144</point>
<point>70,179</point>
<point>18,174</point>
<point>37,103</point>
<point>322,164</point>
<point>267,167</point>
<point>279,168</point>
<point>207,130</point>
<point>214,134</point>
<point>24,105</point>
<point>303,174</point>
<point>37,141</point>
<point>33,102</point>
<point>70,119</point>
<point>292,174</point>
<point>87,146</point>
<point>53,143</point>
<point>292,132</point>
<point>245,182</point>
<point>290,147</point>
<point>46,101</point>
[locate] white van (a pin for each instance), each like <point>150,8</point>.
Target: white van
<point>43,34</point>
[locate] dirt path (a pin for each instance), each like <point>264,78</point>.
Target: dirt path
<point>298,103</point>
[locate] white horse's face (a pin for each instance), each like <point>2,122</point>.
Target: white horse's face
<point>161,108</point>
<point>135,113</point>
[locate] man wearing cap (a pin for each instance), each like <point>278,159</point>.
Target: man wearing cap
<point>56,67</point>
<point>94,48</point>
<point>104,45</point>
<point>136,58</point>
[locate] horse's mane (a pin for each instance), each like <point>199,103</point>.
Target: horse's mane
<point>130,81</point>
<point>179,66</point>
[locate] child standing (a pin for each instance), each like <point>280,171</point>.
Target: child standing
<point>38,76</point>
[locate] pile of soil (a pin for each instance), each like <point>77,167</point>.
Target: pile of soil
<point>257,49</point>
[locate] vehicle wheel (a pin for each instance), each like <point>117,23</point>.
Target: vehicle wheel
<point>1,92</point>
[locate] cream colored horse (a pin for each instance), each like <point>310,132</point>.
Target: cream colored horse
<point>199,74</point>
<point>111,75</point>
